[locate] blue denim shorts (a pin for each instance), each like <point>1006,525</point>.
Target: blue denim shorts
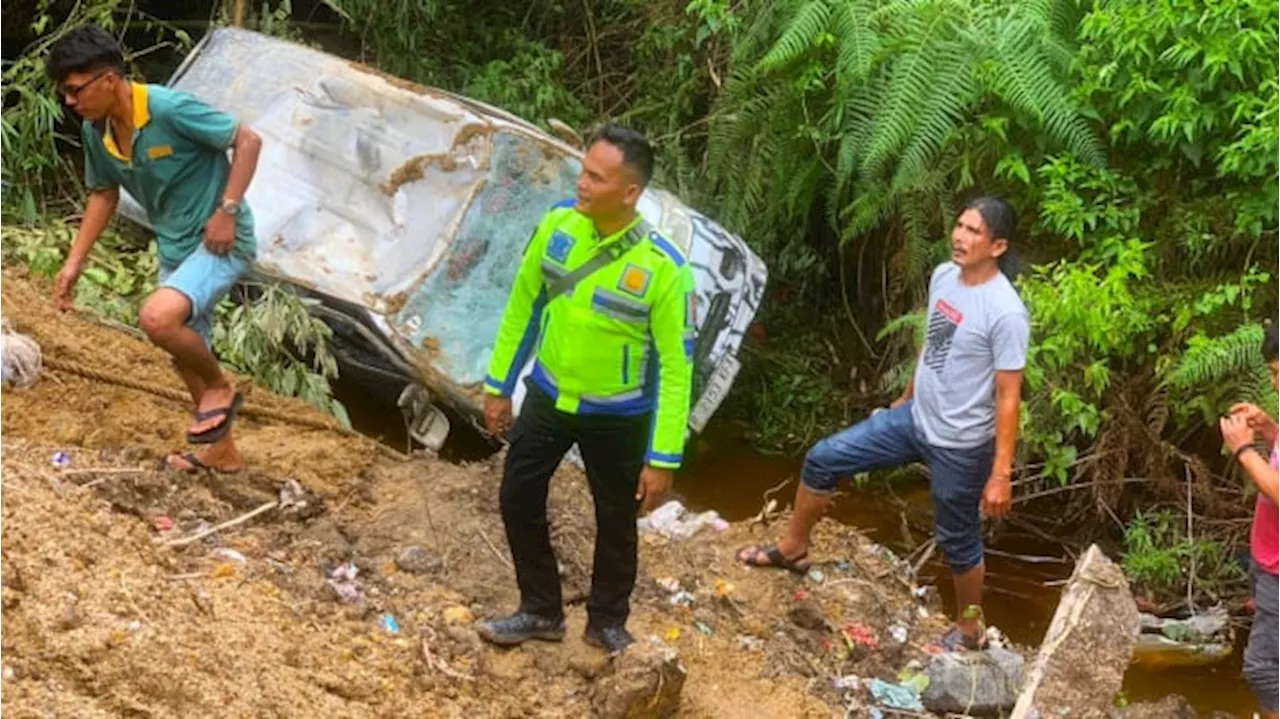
<point>957,477</point>
<point>205,278</point>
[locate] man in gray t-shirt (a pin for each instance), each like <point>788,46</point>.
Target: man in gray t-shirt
<point>959,414</point>
<point>973,333</point>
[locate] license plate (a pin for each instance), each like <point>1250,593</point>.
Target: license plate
<point>714,393</point>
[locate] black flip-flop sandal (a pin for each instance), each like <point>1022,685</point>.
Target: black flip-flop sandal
<point>196,465</point>
<point>776,559</point>
<point>214,434</point>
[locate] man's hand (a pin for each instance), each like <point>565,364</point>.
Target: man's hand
<point>220,233</point>
<point>997,498</point>
<point>654,483</point>
<point>899,402</point>
<point>1236,431</point>
<point>1258,420</point>
<point>64,285</point>
<point>497,414</point>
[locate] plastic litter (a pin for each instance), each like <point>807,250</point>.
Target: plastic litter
<point>816,576</point>
<point>228,554</point>
<point>858,633</point>
<point>843,565</point>
<point>849,681</point>
<point>899,633</point>
<point>390,624</point>
<point>669,584</point>
<point>673,521</point>
<point>163,523</point>
<point>292,495</point>
<point>672,634</point>
<point>343,581</point>
<point>682,599</point>
<point>704,628</point>
<point>750,643</point>
<point>60,460</point>
<point>896,696</point>
<point>20,358</point>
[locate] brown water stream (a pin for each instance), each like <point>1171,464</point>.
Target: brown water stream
<point>723,472</point>
<point>726,474</point>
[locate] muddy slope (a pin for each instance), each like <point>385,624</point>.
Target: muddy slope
<point>102,618</point>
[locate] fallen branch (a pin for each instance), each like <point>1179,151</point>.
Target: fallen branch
<point>225,525</point>
<point>495,551</point>
<point>437,663</point>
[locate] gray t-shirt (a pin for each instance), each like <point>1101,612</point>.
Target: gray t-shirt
<point>973,332</point>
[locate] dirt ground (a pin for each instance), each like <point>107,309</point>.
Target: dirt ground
<point>102,617</point>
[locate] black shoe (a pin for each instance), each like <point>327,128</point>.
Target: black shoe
<point>519,628</point>
<point>612,639</point>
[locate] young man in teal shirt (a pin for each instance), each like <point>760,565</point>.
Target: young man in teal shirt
<point>169,150</point>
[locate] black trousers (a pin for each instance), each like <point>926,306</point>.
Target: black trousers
<point>613,450</point>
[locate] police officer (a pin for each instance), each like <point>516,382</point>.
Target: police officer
<point>608,303</point>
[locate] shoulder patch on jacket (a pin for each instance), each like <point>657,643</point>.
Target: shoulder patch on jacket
<point>559,247</point>
<point>666,247</point>
<point>568,202</point>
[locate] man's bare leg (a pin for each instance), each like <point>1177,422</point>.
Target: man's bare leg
<point>223,454</point>
<point>164,319</point>
<point>794,544</point>
<point>809,508</point>
<point>968,587</point>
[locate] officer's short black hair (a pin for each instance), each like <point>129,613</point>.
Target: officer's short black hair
<point>637,153</point>
<point>1270,344</point>
<point>87,48</point>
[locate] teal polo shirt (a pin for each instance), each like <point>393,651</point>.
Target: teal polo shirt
<point>178,171</point>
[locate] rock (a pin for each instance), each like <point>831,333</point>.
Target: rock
<point>973,682</point>
<point>1083,658</point>
<point>646,682</point>
<point>1171,707</point>
<point>457,615</point>
<point>418,560</point>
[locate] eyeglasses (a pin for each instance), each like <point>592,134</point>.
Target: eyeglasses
<point>72,92</point>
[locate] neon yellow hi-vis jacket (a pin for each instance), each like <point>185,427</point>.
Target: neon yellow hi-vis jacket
<point>619,343</point>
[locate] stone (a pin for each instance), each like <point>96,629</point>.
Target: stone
<point>1082,661</point>
<point>645,683</point>
<point>418,560</point>
<point>985,682</point>
<point>589,665</point>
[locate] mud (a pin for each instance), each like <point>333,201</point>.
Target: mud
<point>101,618</point>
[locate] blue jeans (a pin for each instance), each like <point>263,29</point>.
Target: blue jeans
<point>957,477</point>
<point>205,278</point>
<point>1262,654</point>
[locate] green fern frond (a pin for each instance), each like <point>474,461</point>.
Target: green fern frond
<point>913,322</point>
<point>811,20</point>
<point>1023,77</point>
<point>859,44</point>
<point>1215,359</point>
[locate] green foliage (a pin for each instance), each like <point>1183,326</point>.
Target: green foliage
<point>868,109</point>
<point>1158,557</point>
<point>277,342</point>
<point>32,130</point>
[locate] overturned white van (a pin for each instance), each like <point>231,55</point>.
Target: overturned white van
<point>405,210</point>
